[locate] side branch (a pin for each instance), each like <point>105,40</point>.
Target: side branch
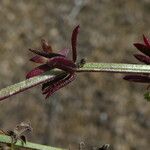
<point>7,140</point>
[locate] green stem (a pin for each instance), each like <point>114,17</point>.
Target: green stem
<point>88,67</point>
<point>26,84</point>
<point>115,68</point>
<point>7,140</point>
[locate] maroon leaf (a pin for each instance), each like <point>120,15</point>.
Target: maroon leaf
<point>37,71</point>
<point>59,84</point>
<point>142,58</point>
<point>74,43</point>
<point>39,59</point>
<point>146,41</point>
<point>137,78</point>
<point>62,63</point>
<point>56,79</point>
<point>44,54</point>
<point>143,48</point>
<point>45,46</point>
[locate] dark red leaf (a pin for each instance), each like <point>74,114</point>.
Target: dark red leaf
<point>74,43</point>
<point>146,41</point>
<point>56,79</point>
<point>37,71</point>
<point>137,78</point>
<point>62,63</point>
<point>143,48</point>
<point>142,58</point>
<point>39,59</point>
<point>58,85</point>
<point>44,54</point>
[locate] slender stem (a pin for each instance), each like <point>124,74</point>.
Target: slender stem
<point>115,68</point>
<point>26,84</point>
<point>88,67</point>
<point>7,140</point>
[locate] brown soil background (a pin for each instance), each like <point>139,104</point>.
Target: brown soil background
<point>97,108</point>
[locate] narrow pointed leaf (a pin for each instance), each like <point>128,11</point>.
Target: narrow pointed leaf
<point>44,54</point>
<point>142,58</point>
<point>58,85</point>
<point>38,59</point>
<point>57,78</point>
<point>74,43</point>
<point>38,71</point>
<point>146,41</point>
<point>143,48</point>
<point>137,78</point>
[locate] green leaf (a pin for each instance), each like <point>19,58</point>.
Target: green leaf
<point>147,96</point>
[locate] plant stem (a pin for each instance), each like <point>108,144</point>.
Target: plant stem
<point>26,84</point>
<point>88,67</point>
<point>7,140</point>
<point>115,68</point>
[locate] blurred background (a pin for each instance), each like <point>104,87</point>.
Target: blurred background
<point>97,108</point>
